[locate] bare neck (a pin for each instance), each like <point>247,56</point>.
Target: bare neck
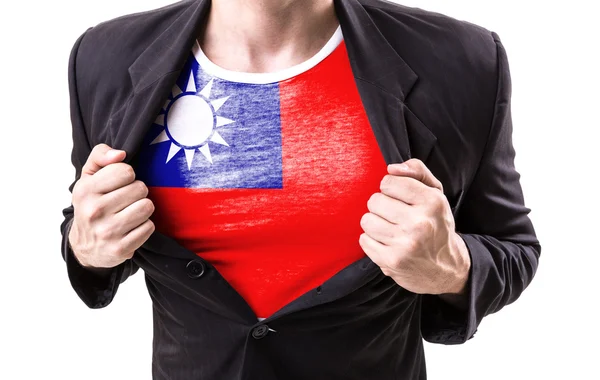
<point>266,35</point>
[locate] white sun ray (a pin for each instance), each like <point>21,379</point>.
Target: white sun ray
<point>160,120</point>
<point>191,85</point>
<point>217,103</point>
<point>173,151</point>
<point>189,156</point>
<point>194,126</point>
<point>221,121</point>
<point>160,138</point>
<point>216,138</point>
<point>207,89</point>
<point>176,91</point>
<point>205,150</point>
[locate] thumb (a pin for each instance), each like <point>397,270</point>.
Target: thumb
<point>102,155</point>
<point>416,169</point>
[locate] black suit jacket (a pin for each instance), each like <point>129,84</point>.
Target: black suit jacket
<point>434,88</point>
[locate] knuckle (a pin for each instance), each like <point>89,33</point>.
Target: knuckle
<point>386,182</point>
<point>82,188</point>
<point>423,225</point>
<point>418,163</point>
<point>93,211</point>
<point>151,226</point>
<point>398,261</point>
<point>98,149</point>
<point>364,220</point>
<point>141,188</point>
<point>78,191</point>
<point>373,199</point>
<point>122,250</point>
<point>127,172</point>
<point>370,203</point>
<point>438,199</point>
<point>104,232</point>
<point>147,206</point>
<point>115,251</point>
<point>101,146</point>
<point>411,246</point>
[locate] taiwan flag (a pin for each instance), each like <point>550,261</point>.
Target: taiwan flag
<point>229,134</point>
<point>266,176</point>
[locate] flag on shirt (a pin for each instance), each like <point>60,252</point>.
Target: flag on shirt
<point>265,179</point>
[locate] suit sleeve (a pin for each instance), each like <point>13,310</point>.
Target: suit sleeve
<point>493,221</point>
<point>95,290</point>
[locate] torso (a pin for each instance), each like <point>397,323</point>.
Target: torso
<point>270,181</point>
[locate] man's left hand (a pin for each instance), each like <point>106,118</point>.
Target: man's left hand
<point>410,232</point>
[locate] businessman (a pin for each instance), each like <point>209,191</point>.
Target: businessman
<point>311,187</point>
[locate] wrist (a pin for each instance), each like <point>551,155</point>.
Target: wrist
<point>463,267</point>
<point>98,271</point>
<point>457,294</point>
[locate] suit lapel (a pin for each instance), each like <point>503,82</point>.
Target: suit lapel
<point>384,81</point>
<point>153,75</point>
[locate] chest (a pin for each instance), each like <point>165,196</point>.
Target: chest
<point>220,151</point>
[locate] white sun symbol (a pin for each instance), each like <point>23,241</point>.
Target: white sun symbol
<point>190,121</point>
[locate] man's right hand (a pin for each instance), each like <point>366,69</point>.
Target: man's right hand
<point>111,211</point>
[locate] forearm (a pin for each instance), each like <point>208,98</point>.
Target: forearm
<point>96,287</point>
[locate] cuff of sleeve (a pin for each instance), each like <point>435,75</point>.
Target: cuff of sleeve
<point>446,324</point>
<point>95,290</point>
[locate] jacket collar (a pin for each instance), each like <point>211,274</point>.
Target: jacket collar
<point>168,52</point>
<point>383,78</point>
<point>384,68</point>
<point>372,58</point>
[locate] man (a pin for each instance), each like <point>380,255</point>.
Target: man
<point>311,187</point>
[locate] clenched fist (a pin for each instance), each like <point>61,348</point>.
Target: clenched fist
<point>111,211</point>
<point>410,233</point>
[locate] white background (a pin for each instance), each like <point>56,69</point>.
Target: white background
<point>552,331</point>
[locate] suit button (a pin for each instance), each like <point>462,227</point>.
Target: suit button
<point>260,332</point>
<point>195,269</point>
